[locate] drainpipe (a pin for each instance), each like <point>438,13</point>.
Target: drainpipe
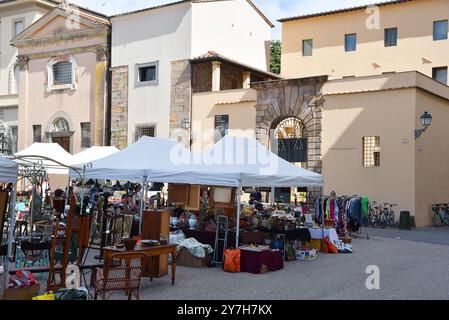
<point>108,112</point>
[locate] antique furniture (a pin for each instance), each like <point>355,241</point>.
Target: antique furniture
<point>122,272</point>
<point>193,203</point>
<point>157,251</point>
<point>35,253</point>
<point>178,193</point>
<point>156,223</point>
<point>184,194</point>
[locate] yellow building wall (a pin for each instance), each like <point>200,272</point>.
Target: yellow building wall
<point>347,118</point>
<point>432,157</point>
<point>238,104</point>
<point>416,49</point>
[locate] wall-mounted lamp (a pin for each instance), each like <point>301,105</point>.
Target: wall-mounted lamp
<point>185,124</point>
<point>426,121</point>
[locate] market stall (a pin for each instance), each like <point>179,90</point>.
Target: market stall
<point>8,174</point>
<point>51,156</point>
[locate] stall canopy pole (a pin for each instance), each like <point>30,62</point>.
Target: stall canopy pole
<point>82,190</point>
<point>239,195</point>
<point>322,210</point>
<point>12,220</point>
<point>67,194</point>
<point>143,201</point>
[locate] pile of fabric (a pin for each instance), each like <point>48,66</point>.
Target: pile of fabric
<point>195,248</point>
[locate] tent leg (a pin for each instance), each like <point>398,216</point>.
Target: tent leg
<point>322,210</point>
<point>142,202</point>
<point>239,195</point>
<point>12,220</point>
<point>67,193</point>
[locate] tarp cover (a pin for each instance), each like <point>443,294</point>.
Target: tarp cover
<point>8,170</point>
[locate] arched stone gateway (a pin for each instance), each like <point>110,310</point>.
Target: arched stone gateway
<point>293,98</point>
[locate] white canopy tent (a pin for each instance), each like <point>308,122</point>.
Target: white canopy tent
<point>51,156</point>
<point>8,170</point>
<point>232,162</point>
<point>92,154</point>
<point>154,160</point>
<point>253,165</point>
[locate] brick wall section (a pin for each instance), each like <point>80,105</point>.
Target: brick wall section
<point>231,77</point>
<point>300,98</point>
<point>180,95</point>
<point>202,77</point>
<point>119,112</point>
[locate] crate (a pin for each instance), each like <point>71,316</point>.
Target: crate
<point>21,294</point>
<point>186,259</point>
<point>315,244</point>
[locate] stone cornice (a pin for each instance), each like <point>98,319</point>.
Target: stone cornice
<point>42,55</point>
<point>285,82</point>
<point>52,39</point>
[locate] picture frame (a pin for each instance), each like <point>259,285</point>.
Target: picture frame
<point>223,197</point>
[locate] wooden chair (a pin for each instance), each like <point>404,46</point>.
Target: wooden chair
<point>121,272</point>
<point>35,253</point>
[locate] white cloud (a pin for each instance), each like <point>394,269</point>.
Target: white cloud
<point>274,9</point>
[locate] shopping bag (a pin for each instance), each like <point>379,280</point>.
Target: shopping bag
<point>232,261</point>
<point>47,296</point>
<point>329,247</point>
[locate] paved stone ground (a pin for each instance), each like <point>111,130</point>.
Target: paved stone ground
<point>410,269</point>
<point>416,266</point>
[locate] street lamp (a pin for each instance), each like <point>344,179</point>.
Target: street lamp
<point>426,121</point>
<point>185,124</point>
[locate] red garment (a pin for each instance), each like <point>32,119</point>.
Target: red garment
<point>332,209</point>
<point>252,262</point>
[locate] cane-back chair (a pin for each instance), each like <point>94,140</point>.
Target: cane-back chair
<point>121,272</point>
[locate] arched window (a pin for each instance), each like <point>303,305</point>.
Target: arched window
<point>61,73</point>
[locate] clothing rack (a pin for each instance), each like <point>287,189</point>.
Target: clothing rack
<point>343,223</point>
<point>360,231</point>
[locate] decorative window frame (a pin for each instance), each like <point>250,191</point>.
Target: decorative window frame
<point>50,80</point>
<point>139,83</point>
<point>14,21</point>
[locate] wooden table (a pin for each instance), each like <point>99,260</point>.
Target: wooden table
<point>149,252</point>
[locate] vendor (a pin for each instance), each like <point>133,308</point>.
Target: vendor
<point>255,196</point>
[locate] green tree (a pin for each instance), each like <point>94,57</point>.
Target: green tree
<point>275,57</point>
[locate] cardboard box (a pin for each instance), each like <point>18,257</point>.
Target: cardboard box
<point>186,259</point>
<point>20,294</point>
<point>315,244</point>
<point>306,255</point>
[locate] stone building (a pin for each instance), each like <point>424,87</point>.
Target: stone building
<point>146,45</point>
<point>63,88</point>
<point>15,16</point>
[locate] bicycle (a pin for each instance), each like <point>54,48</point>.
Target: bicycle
<point>373,215</point>
<point>441,214</point>
<point>391,219</point>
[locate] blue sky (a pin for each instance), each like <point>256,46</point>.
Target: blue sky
<point>274,9</point>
